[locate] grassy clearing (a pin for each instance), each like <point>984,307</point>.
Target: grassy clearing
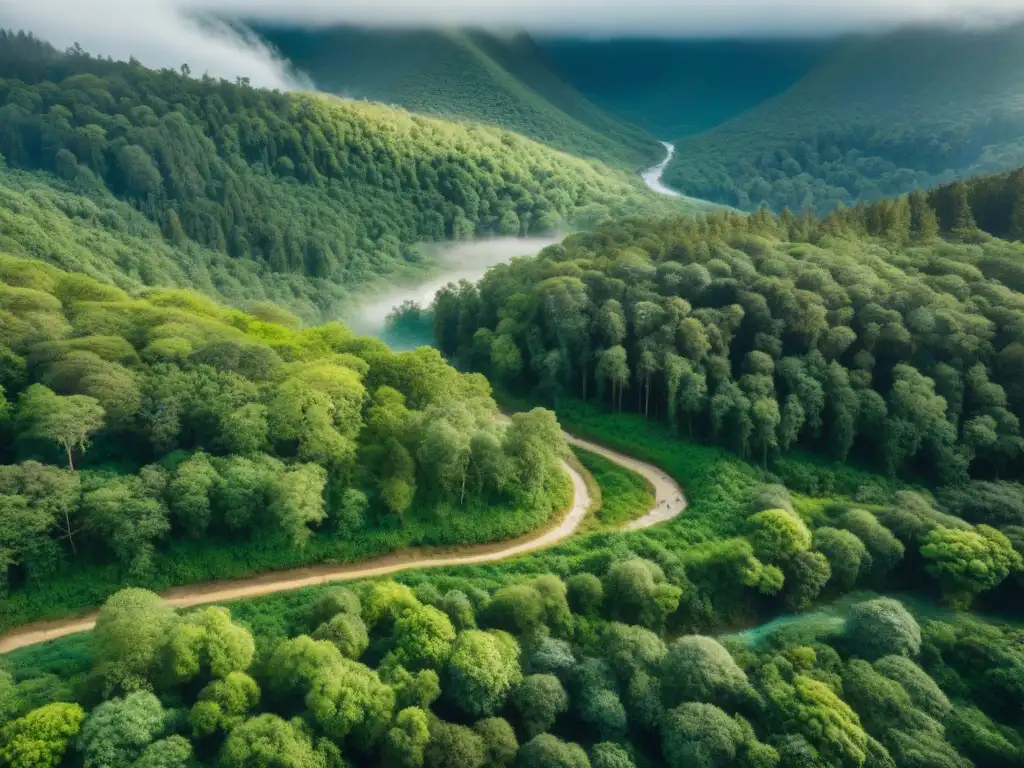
<point>625,495</point>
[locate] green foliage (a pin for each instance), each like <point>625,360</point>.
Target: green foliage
<point>846,555</point>
<point>482,671</point>
<point>207,644</point>
<point>467,74</point>
<point>547,751</point>
<point>585,593</point>
<point>118,731</point>
<point>347,632</point>
<point>607,754</point>
<point>313,191</point>
<point>539,700</point>
<point>636,592</point>
<point>841,133</point>
<point>172,752</point>
<point>701,735</point>
<point>969,562</point>
<point>625,495</point>
<point>131,629</point>
<point>269,741</point>
<point>500,742</point>
<point>768,335</point>
<point>881,627</point>
<point>174,490</point>
<point>698,668</point>
<point>454,746</point>
<point>223,704</point>
<point>40,738</point>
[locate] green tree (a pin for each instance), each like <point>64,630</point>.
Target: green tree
<point>189,493</point>
<point>882,627</point>
<point>777,535</point>
<point>267,741</point>
<point>607,754</point>
<point>500,744</point>
<point>118,731</point>
<point>453,746</point>
<point>297,500</point>
<point>347,698</point>
<point>223,704</point>
<point>547,751</point>
<point>68,420</point>
<point>346,631</point>
<point>845,552</point>
<point>423,638</point>
<point>41,738</point>
<point>636,593</point>
<point>698,668</point>
<point>406,741</point>
<point>700,735</point>
<point>130,633</point>
<point>172,752</point>
<point>967,563</point>
<point>539,700</point>
<point>482,671</point>
<point>207,644</point>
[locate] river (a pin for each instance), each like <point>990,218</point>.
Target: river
<point>457,261</point>
<point>652,176</point>
<point>462,261</point>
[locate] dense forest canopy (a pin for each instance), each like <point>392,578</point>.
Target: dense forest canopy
<point>881,115</point>
<point>133,425</point>
<point>498,79</point>
<point>863,335</point>
<point>301,184</point>
<point>840,397</point>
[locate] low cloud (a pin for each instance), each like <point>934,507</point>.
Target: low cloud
<point>167,33</point>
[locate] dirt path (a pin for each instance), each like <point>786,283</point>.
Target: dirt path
<point>669,501</point>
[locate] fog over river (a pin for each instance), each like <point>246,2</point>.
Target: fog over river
<point>459,261</point>
<point>465,261</point>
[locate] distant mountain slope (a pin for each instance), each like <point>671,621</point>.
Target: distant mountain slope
<point>313,194</point>
<point>504,80</point>
<point>881,115</point>
<point>677,87</point>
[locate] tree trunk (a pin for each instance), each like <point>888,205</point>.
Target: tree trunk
<point>71,465</point>
<point>70,535</point>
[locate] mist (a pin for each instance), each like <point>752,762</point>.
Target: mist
<point>168,33</point>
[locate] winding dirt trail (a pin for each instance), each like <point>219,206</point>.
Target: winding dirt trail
<point>669,501</point>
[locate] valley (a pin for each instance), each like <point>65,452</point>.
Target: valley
<point>420,417</point>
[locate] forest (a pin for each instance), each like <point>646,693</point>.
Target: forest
<point>320,190</point>
<point>839,396</point>
<point>872,118</point>
<point>162,439</point>
<point>881,502</point>
<point>465,74</point>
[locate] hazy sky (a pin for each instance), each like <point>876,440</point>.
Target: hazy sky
<point>166,32</point>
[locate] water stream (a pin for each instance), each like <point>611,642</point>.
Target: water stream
<point>458,261</point>
<point>652,176</point>
<point>461,261</point>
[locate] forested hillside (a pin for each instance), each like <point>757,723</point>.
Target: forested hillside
<point>164,439</point>
<point>498,79</point>
<point>864,335</point>
<point>316,192</point>
<point>879,116</point>
<point>675,88</point>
